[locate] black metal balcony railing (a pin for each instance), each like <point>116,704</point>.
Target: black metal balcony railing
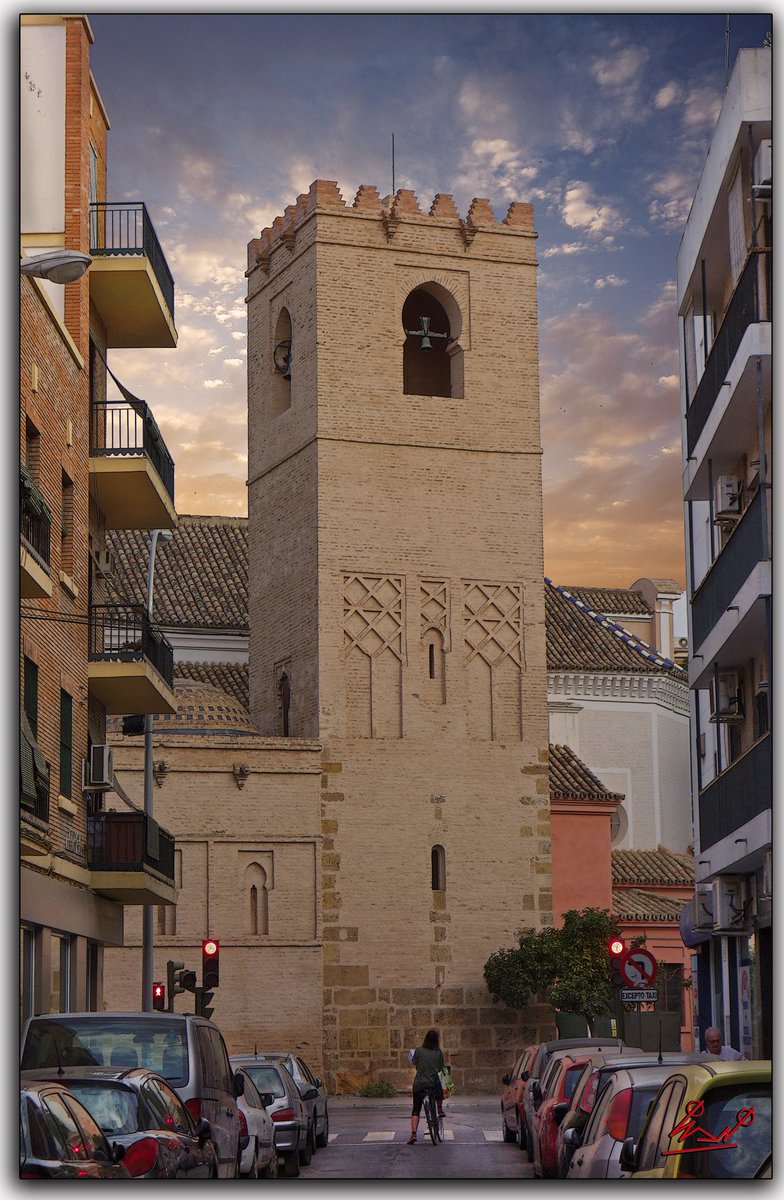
<point>124,633</point>
<point>741,792</point>
<point>129,841</point>
<point>119,428</point>
<point>35,523</point>
<point>751,302</point>
<point>744,549</point>
<point>117,229</point>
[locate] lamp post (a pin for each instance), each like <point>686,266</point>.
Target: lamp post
<point>147,937</point>
<point>58,265</point>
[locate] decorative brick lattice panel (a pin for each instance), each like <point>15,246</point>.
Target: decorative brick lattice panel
<point>434,607</point>
<point>373,614</point>
<point>493,615</point>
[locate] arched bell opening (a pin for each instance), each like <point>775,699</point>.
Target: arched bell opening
<point>281,364</point>
<point>432,360</point>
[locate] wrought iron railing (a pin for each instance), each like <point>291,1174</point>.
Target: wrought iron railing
<point>124,633</point>
<point>751,302</point>
<point>35,523</point>
<point>129,841</point>
<point>740,793</point>
<point>119,428</point>
<point>117,229</point>
<point>740,555</point>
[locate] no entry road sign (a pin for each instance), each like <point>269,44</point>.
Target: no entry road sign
<point>638,968</point>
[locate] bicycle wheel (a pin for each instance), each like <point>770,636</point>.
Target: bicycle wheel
<point>431,1118</point>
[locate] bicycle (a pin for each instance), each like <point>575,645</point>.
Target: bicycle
<point>434,1120</point>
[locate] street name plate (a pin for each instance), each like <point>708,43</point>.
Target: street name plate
<point>638,995</point>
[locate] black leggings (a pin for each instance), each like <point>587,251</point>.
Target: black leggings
<point>420,1093</point>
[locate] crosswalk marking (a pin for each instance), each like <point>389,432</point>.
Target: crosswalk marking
<point>492,1135</point>
<point>391,1135</point>
<point>383,1136</point>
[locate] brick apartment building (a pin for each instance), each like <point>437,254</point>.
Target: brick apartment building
<point>88,463</point>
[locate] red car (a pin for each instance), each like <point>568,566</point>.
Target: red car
<point>512,1111</point>
<point>558,1084</point>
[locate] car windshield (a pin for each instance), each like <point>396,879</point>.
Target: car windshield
<point>98,1040</point>
<point>267,1079</point>
<point>738,1116</point>
<point>115,1108</point>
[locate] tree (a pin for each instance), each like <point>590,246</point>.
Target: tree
<point>570,965</point>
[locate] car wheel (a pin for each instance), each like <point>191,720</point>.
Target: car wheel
<point>271,1169</point>
<point>529,1144</point>
<point>508,1134</point>
<point>306,1153</point>
<point>323,1137</point>
<point>253,1173</point>
<point>291,1164</point>
<point>521,1140</point>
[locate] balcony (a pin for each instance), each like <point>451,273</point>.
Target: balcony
<point>35,534</point>
<point>748,545</point>
<point>130,664</point>
<point>131,470</point>
<point>131,858</point>
<point>751,304</point>
<point>738,795</point>
<point>130,281</point>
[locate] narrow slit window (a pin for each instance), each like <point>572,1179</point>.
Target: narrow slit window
<point>431,660</point>
<point>438,869</point>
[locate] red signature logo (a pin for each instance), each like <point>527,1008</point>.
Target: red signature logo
<point>688,1126</point>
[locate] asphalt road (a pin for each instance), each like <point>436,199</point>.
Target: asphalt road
<point>368,1140</point>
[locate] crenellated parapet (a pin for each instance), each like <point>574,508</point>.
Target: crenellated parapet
<point>324,196</point>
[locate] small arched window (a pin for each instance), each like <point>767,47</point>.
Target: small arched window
<point>281,364</point>
<point>434,682</point>
<point>432,361</point>
<point>438,869</point>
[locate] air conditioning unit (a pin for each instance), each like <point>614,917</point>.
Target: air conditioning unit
<point>766,890</point>
<point>105,563</point>
<point>762,171</point>
<point>729,709</point>
<point>703,906</point>
<point>98,769</point>
<point>731,905</point>
<point>726,498</point>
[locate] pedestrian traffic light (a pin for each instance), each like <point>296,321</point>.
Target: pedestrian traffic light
<point>617,948</point>
<point>133,725</point>
<point>210,963</point>
<point>203,1000</point>
<point>159,996</point>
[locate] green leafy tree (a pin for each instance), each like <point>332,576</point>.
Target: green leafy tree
<point>570,965</point>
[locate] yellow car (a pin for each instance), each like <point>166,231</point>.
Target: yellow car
<point>708,1120</point>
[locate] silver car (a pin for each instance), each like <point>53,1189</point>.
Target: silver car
<point>260,1156</point>
<point>284,1104</point>
<point>618,1113</point>
<point>311,1089</point>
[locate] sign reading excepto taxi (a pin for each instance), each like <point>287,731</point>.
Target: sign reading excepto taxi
<point>638,968</point>
<point>639,995</point>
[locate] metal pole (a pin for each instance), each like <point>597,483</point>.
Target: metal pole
<point>147,910</point>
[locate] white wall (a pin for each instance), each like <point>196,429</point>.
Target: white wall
<point>42,129</point>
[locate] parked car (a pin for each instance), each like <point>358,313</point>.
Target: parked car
<point>284,1104</point>
<point>538,1064</point>
<point>138,1109</point>
<point>558,1084</point>
<point>311,1089</point>
<point>59,1139</point>
<point>188,1051</point>
<point>512,1113</point>
<point>710,1120</point>
<point>618,1113</point>
<point>590,1085</point>
<point>259,1156</point>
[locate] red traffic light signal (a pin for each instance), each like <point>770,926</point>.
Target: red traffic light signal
<point>159,997</point>
<point>616,946</point>
<point>210,963</point>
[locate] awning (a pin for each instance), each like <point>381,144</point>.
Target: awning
<point>689,935</point>
<point>33,767</point>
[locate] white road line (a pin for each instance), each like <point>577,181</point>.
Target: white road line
<point>383,1136</point>
<point>492,1135</point>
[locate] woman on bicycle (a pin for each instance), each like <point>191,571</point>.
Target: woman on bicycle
<point>428,1060</point>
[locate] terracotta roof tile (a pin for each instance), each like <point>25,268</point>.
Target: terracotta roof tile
<point>579,639</point>
<point>231,678</point>
<point>632,904</point>
<point>570,778</point>
<point>616,601</point>
<point>649,867</point>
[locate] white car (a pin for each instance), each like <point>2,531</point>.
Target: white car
<point>259,1159</point>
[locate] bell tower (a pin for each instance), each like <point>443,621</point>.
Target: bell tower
<point>397,602</point>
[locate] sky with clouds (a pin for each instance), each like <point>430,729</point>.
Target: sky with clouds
<point>218,122</point>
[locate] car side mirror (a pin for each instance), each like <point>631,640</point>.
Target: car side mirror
<point>118,1152</point>
<point>310,1094</point>
<point>526,1075</point>
<point>507,1079</point>
<point>267,1098</point>
<point>239,1084</point>
<point>203,1130</point>
<point>628,1156</point>
<point>536,1094</point>
<point>319,1082</point>
<point>560,1110</point>
<point>571,1138</point>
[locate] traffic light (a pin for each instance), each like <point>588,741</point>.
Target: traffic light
<point>173,979</point>
<point>203,1000</point>
<point>133,725</point>
<point>616,948</point>
<point>210,963</point>
<point>159,996</point>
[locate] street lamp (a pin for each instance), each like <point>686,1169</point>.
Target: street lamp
<point>58,266</point>
<point>164,535</point>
